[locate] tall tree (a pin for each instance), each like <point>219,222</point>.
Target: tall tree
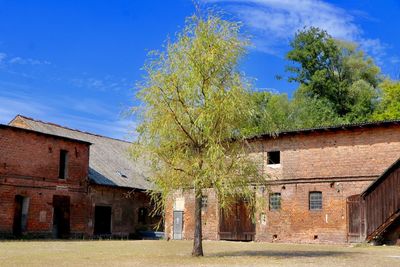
<point>334,71</point>
<point>195,103</point>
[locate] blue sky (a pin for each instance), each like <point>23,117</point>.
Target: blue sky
<point>76,63</point>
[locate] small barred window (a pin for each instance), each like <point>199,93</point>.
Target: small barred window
<point>204,200</point>
<point>315,200</point>
<point>275,201</point>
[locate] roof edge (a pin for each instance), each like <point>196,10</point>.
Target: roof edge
<point>42,133</point>
<point>347,126</point>
<point>67,128</point>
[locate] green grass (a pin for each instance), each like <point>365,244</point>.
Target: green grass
<point>177,253</point>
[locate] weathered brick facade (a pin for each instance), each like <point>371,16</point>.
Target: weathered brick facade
<point>335,162</point>
<point>103,195</point>
<point>210,215</point>
<point>29,167</point>
<point>126,205</point>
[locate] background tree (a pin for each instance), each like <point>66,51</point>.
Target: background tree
<point>272,113</point>
<point>195,103</point>
<point>389,106</point>
<point>335,72</point>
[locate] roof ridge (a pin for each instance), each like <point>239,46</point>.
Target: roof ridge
<point>67,128</point>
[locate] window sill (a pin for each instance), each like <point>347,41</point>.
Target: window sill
<point>274,166</point>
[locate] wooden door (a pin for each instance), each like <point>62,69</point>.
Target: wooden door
<point>236,224</point>
<point>355,219</point>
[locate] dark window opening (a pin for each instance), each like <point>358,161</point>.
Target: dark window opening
<point>204,202</point>
<point>315,200</point>
<point>274,157</point>
<point>143,214</point>
<point>63,170</point>
<point>275,201</point>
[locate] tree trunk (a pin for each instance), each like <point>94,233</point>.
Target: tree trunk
<point>197,242</point>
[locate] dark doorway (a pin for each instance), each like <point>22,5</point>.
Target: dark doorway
<point>21,205</point>
<point>178,224</point>
<point>102,220</point>
<point>61,216</point>
<point>142,216</point>
<point>236,223</point>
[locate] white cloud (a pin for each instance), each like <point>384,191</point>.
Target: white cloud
<point>28,61</point>
<point>7,63</point>
<point>394,60</point>
<point>375,48</point>
<point>104,84</point>
<point>94,116</point>
<point>274,22</point>
<point>12,105</point>
<point>2,57</point>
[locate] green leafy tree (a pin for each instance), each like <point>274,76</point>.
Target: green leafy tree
<point>334,71</point>
<point>310,112</point>
<point>271,113</point>
<point>195,105</point>
<point>389,106</point>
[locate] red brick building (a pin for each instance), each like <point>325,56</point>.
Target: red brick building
<point>43,184</point>
<point>311,176</point>
<point>103,194</point>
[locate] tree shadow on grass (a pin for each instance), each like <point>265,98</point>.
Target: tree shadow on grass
<point>280,254</point>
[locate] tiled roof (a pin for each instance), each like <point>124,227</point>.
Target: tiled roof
<point>109,161</point>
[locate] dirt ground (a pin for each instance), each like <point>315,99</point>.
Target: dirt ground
<point>177,253</point>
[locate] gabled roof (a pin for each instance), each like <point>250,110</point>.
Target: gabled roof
<point>109,161</point>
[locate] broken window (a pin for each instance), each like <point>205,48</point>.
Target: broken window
<point>274,157</point>
<point>63,170</point>
<point>275,201</point>
<point>315,200</point>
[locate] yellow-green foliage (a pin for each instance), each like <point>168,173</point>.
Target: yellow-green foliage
<point>389,106</point>
<point>195,103</point>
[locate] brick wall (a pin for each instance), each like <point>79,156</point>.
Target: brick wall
<point>295,222</point>
<point>363,152</point>
<point>125,205</point>
<point>337,163</point>
<point>29,165</point>
<point>210,215</point>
